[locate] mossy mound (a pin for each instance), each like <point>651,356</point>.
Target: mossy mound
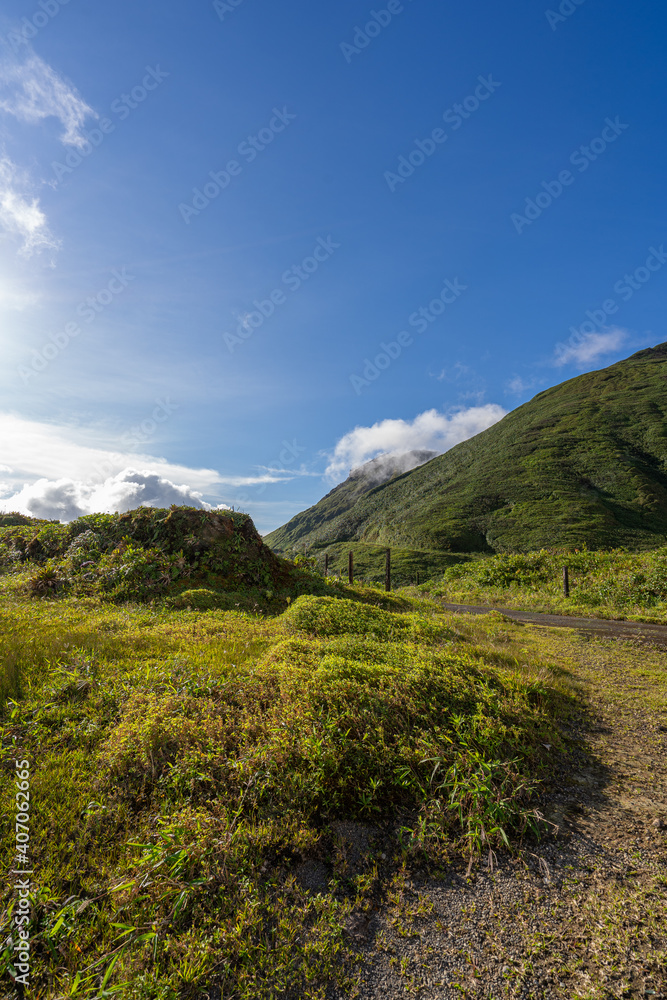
<point>330,616</point>
<point>144,553</point>
<point>203,599</point>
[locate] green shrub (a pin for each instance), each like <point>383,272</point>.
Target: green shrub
<point>141,554</point>
<point>47,581</point>
<point>329,616</point>
<point>200,599</point>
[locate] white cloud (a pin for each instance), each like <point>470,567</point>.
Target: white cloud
<point>270,476</point>
<point>55,472</point>
<point>61,472</point>
<point>588,347</point>
<point>38,450</point>
<point>20,214</point>
<point>430,431</point>
<point>66,499</point>
<point>31,90</point>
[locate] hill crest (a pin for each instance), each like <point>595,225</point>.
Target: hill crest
<point>582,463</point>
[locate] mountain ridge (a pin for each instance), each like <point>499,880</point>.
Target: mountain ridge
<point>581,463</point>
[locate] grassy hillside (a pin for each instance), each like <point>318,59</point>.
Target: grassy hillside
<point>309,524</point>
<point>583,463</point>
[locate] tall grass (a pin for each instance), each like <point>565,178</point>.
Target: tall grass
<point>613,584</point>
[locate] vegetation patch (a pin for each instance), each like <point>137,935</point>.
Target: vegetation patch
<point>608,584</point>
<point>189,763</point>
<point>408,566</point>
<point>142,554</point>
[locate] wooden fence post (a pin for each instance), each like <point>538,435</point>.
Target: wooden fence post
<point>566,581</point>
<point>350,569</point>
<point>387,571</point>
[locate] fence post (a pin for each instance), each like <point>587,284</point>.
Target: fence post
<point>566,581</point>
<point>387,572</point>
<point>326,563</point>
<point>350,569</point>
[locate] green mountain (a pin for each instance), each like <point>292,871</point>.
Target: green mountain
<point>583,463</point>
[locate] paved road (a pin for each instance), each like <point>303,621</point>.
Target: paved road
<point>655,634</point>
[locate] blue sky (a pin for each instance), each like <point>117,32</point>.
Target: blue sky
<point>215,218</point>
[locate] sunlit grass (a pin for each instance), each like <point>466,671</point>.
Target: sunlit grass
<point>185,762</point>
<point>614,584</point>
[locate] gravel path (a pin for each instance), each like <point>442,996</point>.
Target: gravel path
<point>605,627</point>
<point>583,914</point>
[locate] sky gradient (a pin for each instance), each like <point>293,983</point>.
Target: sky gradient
<point>245,246</point>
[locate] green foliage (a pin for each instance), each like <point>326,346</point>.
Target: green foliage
<point>327,616</point>
<point>143,554</point>
<point>185,762</point>
<point>583,463</point>
<point>611,584</point>
<point>407,565</point>
<point>47,581</point>
<point>201,599</point>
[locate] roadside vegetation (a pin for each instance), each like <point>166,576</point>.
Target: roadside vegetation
<point>408,566</point>
<point>612,584</point>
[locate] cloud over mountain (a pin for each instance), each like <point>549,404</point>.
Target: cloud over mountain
<point>430,431</point>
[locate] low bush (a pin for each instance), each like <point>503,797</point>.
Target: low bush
<point>328,616</point>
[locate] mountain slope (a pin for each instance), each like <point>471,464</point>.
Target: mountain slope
<point>582,463</point>
<point>343,497</point>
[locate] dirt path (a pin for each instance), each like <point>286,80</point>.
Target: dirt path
<point>644,631</point>
<point>583,914</point>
